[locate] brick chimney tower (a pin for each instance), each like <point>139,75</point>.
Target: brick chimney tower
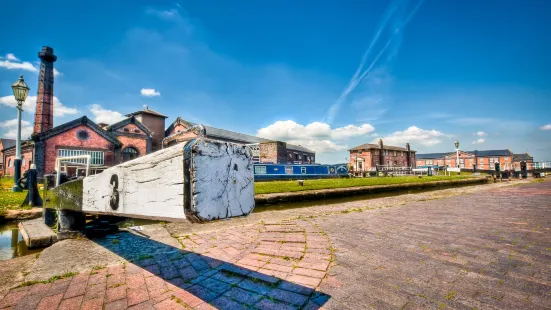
<point>381,147</point>
<point>44,114</point>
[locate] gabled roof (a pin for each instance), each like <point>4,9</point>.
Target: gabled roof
<point>213,132</point>
<point>75,123</point>
<point>7,143</point>
<point>370,146</point>
<point>177,121</point>
<point>126,121</point>
<point>147,110</point>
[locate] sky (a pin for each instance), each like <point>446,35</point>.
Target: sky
<point>328,75</point>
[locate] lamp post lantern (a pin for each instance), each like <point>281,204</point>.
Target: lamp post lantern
<point>20,91</point>
<point>457,150</point>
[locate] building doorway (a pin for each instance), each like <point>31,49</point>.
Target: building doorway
<point>129,153</point>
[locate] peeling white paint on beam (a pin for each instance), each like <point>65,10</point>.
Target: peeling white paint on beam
<point>153,186</point>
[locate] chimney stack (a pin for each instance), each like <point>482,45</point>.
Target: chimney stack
<point>44,114</point>
<point>408,158</point>
<point>381,157</point>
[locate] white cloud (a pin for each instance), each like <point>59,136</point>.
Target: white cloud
<point>546,127</point>
<point>149,92</point>
<point>290,130</point>
<point>414,135</point>
<point>11,56</point>
<point>316,136</point>
<point>102,115</point>
<point>481,133</point>
<point>9,64</point>
<point>11,126</point>
<point>56,73</point>
<point>164,14</point>
<point>479,141</point>
<point>30,104</point>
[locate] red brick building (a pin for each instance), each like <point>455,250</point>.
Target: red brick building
<point>367,157</point>
<point>141,133</point>
<point>483,160</point>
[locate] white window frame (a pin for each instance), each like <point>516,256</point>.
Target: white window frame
<point>303,170</point>
<point>97,157</point>
<point>260,170</point>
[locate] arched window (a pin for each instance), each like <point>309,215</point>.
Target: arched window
<point>129,153</point>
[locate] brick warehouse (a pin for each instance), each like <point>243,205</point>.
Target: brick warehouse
<point>367,157</point>
<point>142,132</point>
<point>483,160</point>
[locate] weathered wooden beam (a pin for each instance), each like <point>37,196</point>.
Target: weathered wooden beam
<point>199,180</point>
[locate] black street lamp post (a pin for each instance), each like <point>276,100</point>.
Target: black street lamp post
<point>20,91</point>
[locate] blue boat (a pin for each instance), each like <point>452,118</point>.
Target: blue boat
<point>264,172</point>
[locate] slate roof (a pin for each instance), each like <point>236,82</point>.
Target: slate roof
<point>72,124</point>
<point>369,146</point>
<point>223,134</point>
<point>147,111</point>
<point>7,143</point>
<point>485,153</point>
<point>129,120</point>
<point>431,155</point>
<point>520,157</point>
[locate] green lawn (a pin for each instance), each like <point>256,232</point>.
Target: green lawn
<point>292,186</point>
<point>8,199</point>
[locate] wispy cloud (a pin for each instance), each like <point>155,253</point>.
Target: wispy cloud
<point>398,15</point>
<point>479,141</point>
<point>149,92</point>
<point>546,127</point>
<point>480,133</point>
<point>11,56</point>
<point>11,127</point>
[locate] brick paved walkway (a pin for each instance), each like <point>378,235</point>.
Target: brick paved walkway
<point>491,250</point>
<point>263,266</point>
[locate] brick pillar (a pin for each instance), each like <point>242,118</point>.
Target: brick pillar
<point>408,154</point>
<point>44,115</point>
<point>381,157</point>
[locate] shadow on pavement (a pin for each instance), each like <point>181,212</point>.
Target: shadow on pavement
<point>196,278</point>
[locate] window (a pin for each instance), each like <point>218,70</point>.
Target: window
<point>296,156</point>
<point>394,153</point>
<point>129,153</point>
<point>126,129</point>
<point>462,162</point>
<point>22,161</point>
<point>9,162</point>
<point>83,135</point>
<point>428,162</point>
<point>136,131</point>
<point>96,156</point>
<point>303,170</point>
<point>260,169</point>
<point>288,169</point>
<point>506,158</point>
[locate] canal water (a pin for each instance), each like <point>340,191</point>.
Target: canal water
<point>11,242</point>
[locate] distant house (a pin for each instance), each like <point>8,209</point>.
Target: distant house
<point>367,157</point>
<point>4,144</point>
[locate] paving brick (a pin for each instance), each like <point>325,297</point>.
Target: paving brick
<point>243,296</point>
<point>151,270</point>
<point>288,297</point>
<point>95,291</point>
<point>97,279</point>
<point>76,289</point>
<point>227,304</point>
<point>50,302</point>
<point>174,283</point>
<point>203,293</point>
<point>256,287</point>
<point>205,306</point>
<point>92,304</point>
<point>146,262</point>
<point>155,283</point>
<point>277,267</point>
<point>263,277</point>
<point>71,303</point>
<point>297,288</point>
<point>136,280</point>
<point>39,289</point>
<point>160,295</point>
<point>188,273</point>
<point>146,305</point>
<point>181,263</point>
<point>59,287</point>
<point>79,278</point>
<point>116,279</point>
<point>188,298</point>
<point>295,278</point>
<point>28,302</point>
<point>116,305</point>
<point>116,293</point>
<point>116,269</point>
<point>317,264</point>
<point>168,304</point>
<point>131,269</point>
<point>273,273</point>
<point>136,296</point>
<point>273,305</point>
<point>215,285</point>
<point>227,277</point>
<point>197,262</point>
<point>252,262</point>
<point>309,272</point>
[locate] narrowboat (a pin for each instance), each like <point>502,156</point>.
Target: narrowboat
<point>263,172</point>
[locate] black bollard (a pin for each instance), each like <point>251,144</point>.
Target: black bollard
<point>30,180</point>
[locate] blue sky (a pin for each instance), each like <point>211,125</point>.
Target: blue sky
<point>327,75</point>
